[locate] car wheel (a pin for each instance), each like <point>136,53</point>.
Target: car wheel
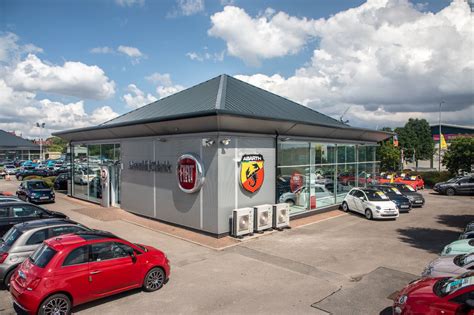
<point>6,281</point>
<point>345,206</point>
<point>450,192</point>
<point>154,279</point>
<point>368,214</point>
<point>55,304</point>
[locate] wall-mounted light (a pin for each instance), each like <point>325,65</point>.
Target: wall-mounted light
<point>285,139</point>
<point>225,141</point>
<point>162,139</point>
<point>206,142</point>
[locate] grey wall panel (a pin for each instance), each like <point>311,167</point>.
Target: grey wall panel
<point>231,194</point>
<point>210,189</point>
<point>137,186</point>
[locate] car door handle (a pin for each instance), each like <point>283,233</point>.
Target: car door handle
<point>95,272</point>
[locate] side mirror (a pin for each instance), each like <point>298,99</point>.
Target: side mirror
<point>132,255</point>
<point>470,303</point>
<point>362,198</point>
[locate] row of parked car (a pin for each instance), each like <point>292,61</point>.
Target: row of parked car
<point>446,285</point>
<point>49,261</point>
<point>382,201</point>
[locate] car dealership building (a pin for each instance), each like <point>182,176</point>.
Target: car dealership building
<point>191,158</point>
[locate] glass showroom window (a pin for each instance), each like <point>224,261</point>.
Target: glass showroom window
<point>80,184</point>
<point>346,170</point>
<point>322,174</point>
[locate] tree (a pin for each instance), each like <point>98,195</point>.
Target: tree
<point>389,157</point>
<point>460,155</point>
<point>416,141</point>
<point>57,144</point>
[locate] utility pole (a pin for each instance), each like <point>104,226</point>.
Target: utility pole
<point>439,143</point>
<point>41,126</point>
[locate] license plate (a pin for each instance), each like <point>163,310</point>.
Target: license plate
<point>418,201</point>
<point>42,198</point>
<point>404,206</point>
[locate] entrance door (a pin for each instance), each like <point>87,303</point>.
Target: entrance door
<point>114,173</point>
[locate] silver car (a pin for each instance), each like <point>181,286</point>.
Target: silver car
<point>23,239</point>
<point>449,266</point>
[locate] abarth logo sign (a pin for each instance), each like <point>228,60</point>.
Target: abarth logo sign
<point>252,172</point>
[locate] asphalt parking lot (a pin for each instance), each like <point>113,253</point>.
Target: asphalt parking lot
<point>344,265</point>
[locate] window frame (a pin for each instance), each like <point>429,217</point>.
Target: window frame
<point>87,256</point>
<point>31,236</point>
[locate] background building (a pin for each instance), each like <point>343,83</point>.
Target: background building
<point>13,147</point>
<point>252,147</point>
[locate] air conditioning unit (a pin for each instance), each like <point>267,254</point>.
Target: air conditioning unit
<point>242,222</point>
<point>281,216</point>
<point>262,217</point>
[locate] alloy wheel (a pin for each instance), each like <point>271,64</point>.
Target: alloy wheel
<point>56,306</point>
<point>368,214</point>
<point>155,279</point>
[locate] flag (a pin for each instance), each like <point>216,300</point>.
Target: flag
<point>444,146</point>
<point>395,141</point>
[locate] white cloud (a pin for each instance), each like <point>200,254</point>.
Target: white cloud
<point>164,79</point>
<point>102,50</point>
<point>72,78</point>
<point>130,51</point>
<point>137,98</point>
<point>164,91</point>
<point>187,8</point>
<point>130,3</point>
<point>206,56</point>
<point>266,36</point>
<point>10,49</point>
<point>386,57</point>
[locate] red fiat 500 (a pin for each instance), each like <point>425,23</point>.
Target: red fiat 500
<point>432,296</point>
<point>80,267</point>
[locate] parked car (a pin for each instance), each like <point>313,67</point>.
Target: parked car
<point>450,266</point>
<point>35,191</point>
<point>60,183</point>
<point>373,203</point>
<point>466,235</point>
<point>402,202</point>
<point>416,199</point>
<point>20,175</point>
<point>23,238</point>
<point>469,227</point>
<point>10,169</point>
<point>12,213</point>
<point>459,247</point>
<point>9,199</point>
<point>430,296</point>
<point>414,181</point>
<point>85,266</point>
<point>83,177</point>
<point>318,190</point>
<point>456,186</point>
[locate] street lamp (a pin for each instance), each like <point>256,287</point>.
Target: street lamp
<point>41,126</point>
<point>439,143</point>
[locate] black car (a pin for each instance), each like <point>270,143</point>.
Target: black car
<point>456,186</point>
<point>60,183</point>
<point>416,199</point>
<point>35,191</point>
<point>12,213</point>
<point>20,175</point>
<point>402,201</point>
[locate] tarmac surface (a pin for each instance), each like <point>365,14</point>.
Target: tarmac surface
<point>342,265</point>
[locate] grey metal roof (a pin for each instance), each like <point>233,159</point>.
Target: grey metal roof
<point>9,141</point>
<point>223,103</point>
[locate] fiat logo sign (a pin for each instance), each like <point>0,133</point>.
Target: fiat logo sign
<point>189,171</point>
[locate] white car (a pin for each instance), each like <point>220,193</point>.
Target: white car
<point>449,266</point>
<point>10,169</point>
<point>373,203</point>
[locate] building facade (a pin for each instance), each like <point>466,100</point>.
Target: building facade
<point>191,158</point>
<point>13,148</point>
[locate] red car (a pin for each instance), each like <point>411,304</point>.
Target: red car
<point>430,296</point>
<point>76,268</point>
<point>414,181</point>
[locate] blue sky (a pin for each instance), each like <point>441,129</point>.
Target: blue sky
<point>166,34</point>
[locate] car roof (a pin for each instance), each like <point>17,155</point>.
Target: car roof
<point>8,203</point>
<point>29,225</point>
<point>79,238</point>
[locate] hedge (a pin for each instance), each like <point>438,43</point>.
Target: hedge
<point>49,181</point>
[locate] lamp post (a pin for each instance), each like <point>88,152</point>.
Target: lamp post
<point>41,126</point>
<point>439,143</point>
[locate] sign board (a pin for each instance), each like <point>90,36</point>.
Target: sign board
<point>190,173</point>
<point>252,172</point>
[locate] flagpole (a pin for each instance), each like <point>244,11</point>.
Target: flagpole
<point>439,144</point>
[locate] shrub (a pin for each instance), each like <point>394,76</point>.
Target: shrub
<point>31,177</point>
<point>49,181</point>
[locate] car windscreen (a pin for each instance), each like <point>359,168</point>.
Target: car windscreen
<point>406,188</point>
<point>375,195</point>
<point>42,256</point>
<point>11,236</point>
<point>463,260</point>
<point>450,285</point>
<point>37,185</point>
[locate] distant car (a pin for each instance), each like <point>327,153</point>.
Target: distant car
<point>9,199</point>
<point>35,191</point>
<point>374,204</point>
<point>469,227</point>
<point>416,199</point>
<point>10,169</point>
<point>22,174</point>
<point>82,177</point>
<point>449,266</point>
<point>456,186</point>
<point>459,247</point>
<point>402,202</point>
<point>318,190</point>
<point>12,213</point>
<point>60,183</point>
<point>414,181</point>
<point>430,296</point>
<point>23,238</point>
<point>466,235</point>
<point>84,266</point>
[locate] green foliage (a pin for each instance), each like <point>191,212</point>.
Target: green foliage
<point>431,178</point>
<point>415,139</point>
<point>460,155</point>
<point>389,157</point>
<point>49,181</point>
<point>57,145</point>
<point>31,177</point>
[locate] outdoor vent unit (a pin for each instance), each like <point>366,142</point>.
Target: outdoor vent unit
<point>262,217</point>
<point>242,222</point>
<point>281,216</point>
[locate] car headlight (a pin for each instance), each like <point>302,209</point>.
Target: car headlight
<point>427,272</point>
<point>447,250</point>
<point>402,299</point>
